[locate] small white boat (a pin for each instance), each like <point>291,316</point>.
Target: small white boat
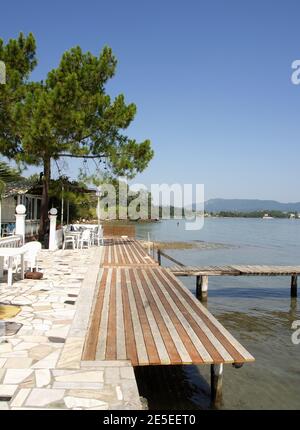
<point>267,216</point>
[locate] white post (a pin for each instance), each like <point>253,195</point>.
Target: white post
<point>52,232</point>
<point>20,221</point>
<point>0,216</point>
<point>62,206</point>
<point>98,210</point>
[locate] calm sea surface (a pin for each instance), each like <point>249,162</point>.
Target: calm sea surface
<point>258,311</point>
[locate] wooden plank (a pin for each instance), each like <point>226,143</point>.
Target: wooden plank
<point>125,257</point>
<point>121,344</point>
<point>104,261</point>
<point>210,342</point>
<point>144,257</point>
<point>134,256</point>
<point>101,345</point>
<point>137,252</point>
<point>128,258</point>
<point>144,314</point>
<point>202,351</point>
<point>138,332</point>
<point>125,252</point>
<point>185,348</point>
<point>131,350</point>
<point>90,346</point>
<point>111,339</point>
<point>235,349</point>
<point>156,336</point>
<point>118,252</point>
<point>109,261</point>
<point>148,335</point>
<point>114,256</point>
<point>234,270</point>
<point>164,332</point>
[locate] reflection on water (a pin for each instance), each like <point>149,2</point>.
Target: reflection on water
<point>258,311</point>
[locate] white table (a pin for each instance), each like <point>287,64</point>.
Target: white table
<point>10,253</point>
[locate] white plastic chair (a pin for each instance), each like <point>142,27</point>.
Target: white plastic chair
<point>31,254</point>
<point>85,239</point>
<point>69,239</point>
<point>98,236</point>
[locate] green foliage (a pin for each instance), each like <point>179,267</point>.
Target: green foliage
<point>68,114</point>
<point>19,58</point>
<point>82,203</point>
<point>7,175</point>
<point>71,114</point>
<point>101,178</point>
<point>253,214</point>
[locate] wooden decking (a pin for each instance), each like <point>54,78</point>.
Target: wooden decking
<point>203,272</point>
<point>143,313</point>
<point>147,316</point>
<point>235,270</point>
<point>125,252</point>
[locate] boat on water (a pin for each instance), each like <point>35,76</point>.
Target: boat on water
<point>267,216</point>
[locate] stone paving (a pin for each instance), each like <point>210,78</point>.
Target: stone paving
<point>40,352</point>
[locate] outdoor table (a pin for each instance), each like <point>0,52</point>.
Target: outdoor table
<point>11,253</point>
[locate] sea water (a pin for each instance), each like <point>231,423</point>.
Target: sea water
<point>258,311</point>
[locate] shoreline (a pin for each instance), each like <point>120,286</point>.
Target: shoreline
<point>183,245</point>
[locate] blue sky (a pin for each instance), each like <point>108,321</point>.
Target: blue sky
<point>211,80</point>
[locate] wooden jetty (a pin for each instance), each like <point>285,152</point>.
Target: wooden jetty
<point>125,252</point>
<point>203,272</point>
<point>144,314</point>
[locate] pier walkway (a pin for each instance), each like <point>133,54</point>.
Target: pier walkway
<point>125,252</point>
<point>144,314</point>
<point>148,317</point>
<point>203,272</point>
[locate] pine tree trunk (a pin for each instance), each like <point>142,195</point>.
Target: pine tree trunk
<point>44,221</point>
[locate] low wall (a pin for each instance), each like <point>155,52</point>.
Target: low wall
<point>119,230</point>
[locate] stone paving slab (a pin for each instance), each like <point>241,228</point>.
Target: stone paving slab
<point>40,365</point>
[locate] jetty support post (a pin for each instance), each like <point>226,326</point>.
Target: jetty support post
<point>216,379</point>
<point>294,286</point>
<point>202,287</point>
<point>159,257</point>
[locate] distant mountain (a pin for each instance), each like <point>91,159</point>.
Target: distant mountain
<point>249,205</point>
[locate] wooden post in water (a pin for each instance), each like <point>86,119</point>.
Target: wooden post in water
<point>216,379</point>
<point>198,286</point>
<point>294,286</point>
<point>159,257</point>
<point>202,287</point>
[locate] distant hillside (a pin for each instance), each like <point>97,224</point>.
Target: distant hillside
<point>249,205</point>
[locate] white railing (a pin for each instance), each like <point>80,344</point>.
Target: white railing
<point>11,241</point>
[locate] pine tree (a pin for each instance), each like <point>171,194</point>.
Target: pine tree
<point>67,115</point>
